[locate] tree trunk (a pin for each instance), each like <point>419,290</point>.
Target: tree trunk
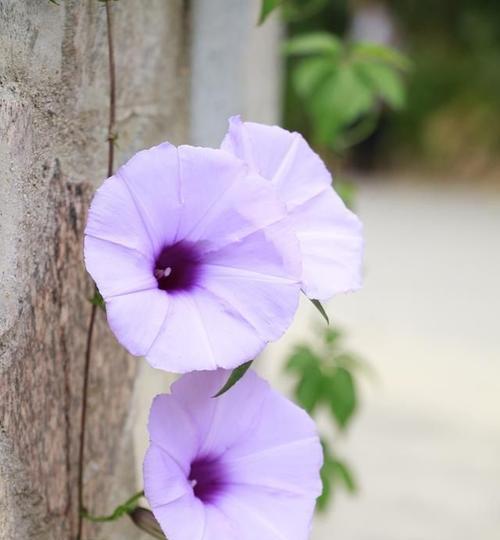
<point>54,92</point>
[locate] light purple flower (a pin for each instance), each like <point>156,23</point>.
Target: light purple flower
<point>329,234</point>
<point>238,467</point>
<point>193,258</point>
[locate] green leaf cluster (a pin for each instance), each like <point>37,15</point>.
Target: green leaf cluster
<point>325,381</point>
<point>344,85</point>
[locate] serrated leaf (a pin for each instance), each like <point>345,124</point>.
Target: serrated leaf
<point>267,7</point>
<point>313,43</point>
<point>319,306</point>
<point>235,376</point>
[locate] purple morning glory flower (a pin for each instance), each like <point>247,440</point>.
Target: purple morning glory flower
<point>329,234</point>
<point>193,257</point>
<point>239,467</point>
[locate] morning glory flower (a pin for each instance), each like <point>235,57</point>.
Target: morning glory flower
<point>193,257</point>
<point>329,234</point>
<point>238,467</point>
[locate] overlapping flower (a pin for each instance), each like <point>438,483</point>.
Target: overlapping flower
<point>329,234</point>
<point>238,467</point>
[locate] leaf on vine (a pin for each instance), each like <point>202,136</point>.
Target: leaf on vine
<point>319,306</point>
<point>235,376</point>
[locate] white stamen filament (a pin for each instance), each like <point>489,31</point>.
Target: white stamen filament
<point>193,483</point>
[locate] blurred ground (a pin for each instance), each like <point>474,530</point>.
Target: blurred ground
<point>426,443</point>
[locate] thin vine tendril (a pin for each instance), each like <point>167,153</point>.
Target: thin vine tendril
<point>90,331</point>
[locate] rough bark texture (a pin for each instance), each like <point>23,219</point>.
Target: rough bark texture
<point>53,128</point>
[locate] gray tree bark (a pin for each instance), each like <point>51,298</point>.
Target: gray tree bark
<point>54,89</point>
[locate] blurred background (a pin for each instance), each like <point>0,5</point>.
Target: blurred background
<point>401,98</point>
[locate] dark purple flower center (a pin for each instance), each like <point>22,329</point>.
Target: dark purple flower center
<point>207,476</point>
<point>177,267</point>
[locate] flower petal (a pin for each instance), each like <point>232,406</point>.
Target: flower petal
<point>152,178</point>
<point>331,241</point>
<point>265,302</point>
<point>283,436</point>
<point>113,216</point>
<point>117,269</point>
<point>278,155</point>
<point>206,175</point>
<point>267,514</point>
<point>136,318</point>
<point>164,481</point>
<point>219,422</point>
<point>329,234</point>
<point>172,429</point>
<point>182,343</point>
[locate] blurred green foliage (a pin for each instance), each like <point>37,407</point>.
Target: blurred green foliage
<point>454,90</point>
<point>342,86</point>
<point>325,382</point>
<point>451,98</point>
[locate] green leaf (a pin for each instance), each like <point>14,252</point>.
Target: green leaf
<point>319,306</point>
<point>343,472</point>
<point>267,7</point>
<point>302,359</point>
<point>340,100</point>
<point>314,43</point>
<point>385,81</point>
<point>309,389</point>
<point>309,73</point>
<point>382,53</point>
<point>342,396</point>
<point>97,300</point>
<point>334,472</point>
<point>235,376</point>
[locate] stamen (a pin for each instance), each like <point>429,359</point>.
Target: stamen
<point>159,273</point>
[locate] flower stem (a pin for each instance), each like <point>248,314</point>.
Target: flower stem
<point>124,509</point>
<point>88,350</point>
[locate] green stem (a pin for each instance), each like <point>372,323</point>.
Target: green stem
<point>124,509</point>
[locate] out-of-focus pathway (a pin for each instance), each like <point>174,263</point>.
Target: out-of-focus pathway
<point>426,444</point>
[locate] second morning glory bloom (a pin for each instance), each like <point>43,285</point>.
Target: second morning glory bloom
<point>241,466</point>
<point>329,234</point>
<point>193,257</point>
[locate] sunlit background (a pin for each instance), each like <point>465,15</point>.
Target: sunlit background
<point>401,98</point>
